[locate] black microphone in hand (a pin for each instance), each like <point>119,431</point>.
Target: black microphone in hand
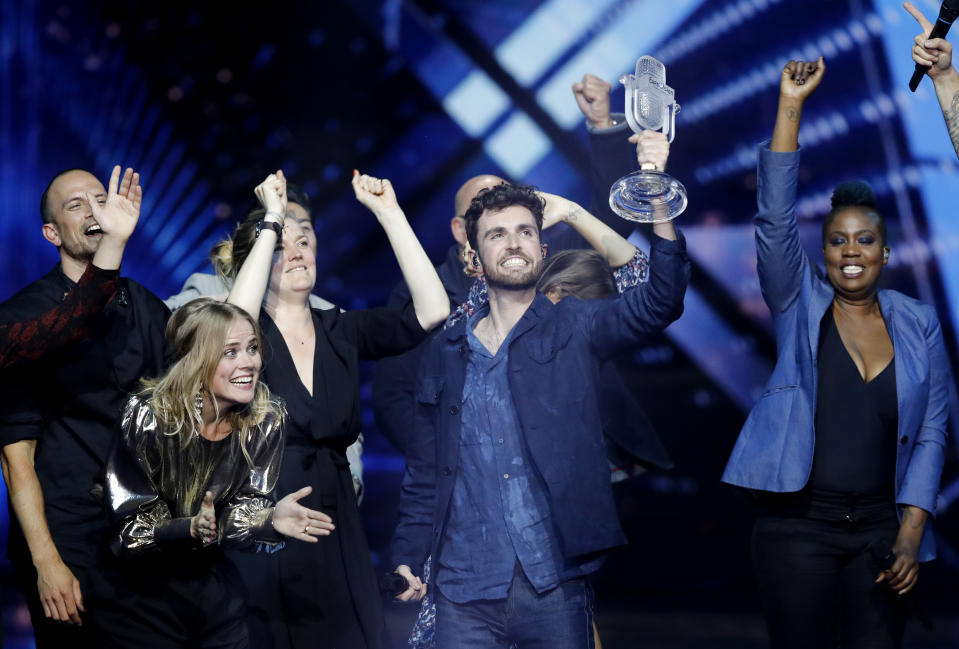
<point>947,15</point>
<point>393,584</point>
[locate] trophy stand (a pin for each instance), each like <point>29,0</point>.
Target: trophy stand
<point>647,195</point>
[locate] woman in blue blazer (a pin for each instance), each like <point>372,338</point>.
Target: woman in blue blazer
<point>845,447</point>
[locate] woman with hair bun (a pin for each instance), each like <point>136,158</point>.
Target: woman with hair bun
<point>193,470</point>
<point>845,448</point>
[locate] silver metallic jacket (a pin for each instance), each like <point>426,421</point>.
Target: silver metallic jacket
<point>153,487</point>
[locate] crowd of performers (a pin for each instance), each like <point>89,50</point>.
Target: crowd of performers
<point>186,473</point>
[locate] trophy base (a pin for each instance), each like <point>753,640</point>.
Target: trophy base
<point>648,197</point>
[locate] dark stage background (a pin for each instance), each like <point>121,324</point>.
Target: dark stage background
<point>205,100</point>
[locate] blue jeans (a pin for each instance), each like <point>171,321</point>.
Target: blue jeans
<point>561,618</point>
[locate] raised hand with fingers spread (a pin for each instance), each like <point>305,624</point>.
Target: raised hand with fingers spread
<point>116,216</point>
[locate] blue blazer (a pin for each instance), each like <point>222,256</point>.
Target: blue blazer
<point>554,359</point>
<point>774,451</point>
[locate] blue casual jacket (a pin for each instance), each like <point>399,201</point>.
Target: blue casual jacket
<point>554,360</point>
<point>774,451</point>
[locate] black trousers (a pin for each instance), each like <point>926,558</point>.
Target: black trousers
<point>816,559</point>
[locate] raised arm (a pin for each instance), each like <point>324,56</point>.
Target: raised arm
<point>430,301</point>
<point>781,258</point>
<point>799,80</point>
<point>117,217</point>
<point>652,147</point>
<point>610,156</point>
<point>74,318</point>
<point>936,55</point>
<point>252,278</point>
<point>618,324</point>
<point>592,97</point>
<point>615,249</point>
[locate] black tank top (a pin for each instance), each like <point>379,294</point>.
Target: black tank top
<point>856,422</point>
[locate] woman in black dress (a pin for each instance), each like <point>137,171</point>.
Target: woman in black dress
<point>324,595</point>
<point>193,469</point>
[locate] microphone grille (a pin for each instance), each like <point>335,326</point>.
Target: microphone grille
<point>654,68</point>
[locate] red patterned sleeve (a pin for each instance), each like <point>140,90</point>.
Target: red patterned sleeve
<point>70,321</point>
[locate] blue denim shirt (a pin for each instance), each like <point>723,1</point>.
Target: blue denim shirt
<point>553,368</point>
<point>499,512</point>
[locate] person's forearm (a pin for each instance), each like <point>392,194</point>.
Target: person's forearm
<point>109,253</point>
<point>911,526</point>
<point>786,131</point>
<point>947,90</point>
<point>254,275</point>
<point>430,300</point>
<point>606,241</point>
<point>26,497</point>
<point>665,230</point>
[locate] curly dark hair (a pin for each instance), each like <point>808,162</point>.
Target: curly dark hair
<point>498,198</point>
<point>854,193</point>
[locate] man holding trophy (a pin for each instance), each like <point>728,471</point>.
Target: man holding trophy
<point>507,485</point>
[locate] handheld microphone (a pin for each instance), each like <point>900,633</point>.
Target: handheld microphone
<point>393,584</point>
<point>947,14</point>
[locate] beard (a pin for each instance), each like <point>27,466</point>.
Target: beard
<point>514,281</point>
<point>81,251</point>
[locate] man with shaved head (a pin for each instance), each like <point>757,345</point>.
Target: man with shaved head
<point>57,414</point>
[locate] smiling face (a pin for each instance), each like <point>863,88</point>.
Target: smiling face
<point>854,253</point>
<point>294,263</point>
<point>235,376</point>
<point>509,248</point>
<point>72,227</point>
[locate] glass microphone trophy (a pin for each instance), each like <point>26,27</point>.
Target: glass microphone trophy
<point>650,105</point>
